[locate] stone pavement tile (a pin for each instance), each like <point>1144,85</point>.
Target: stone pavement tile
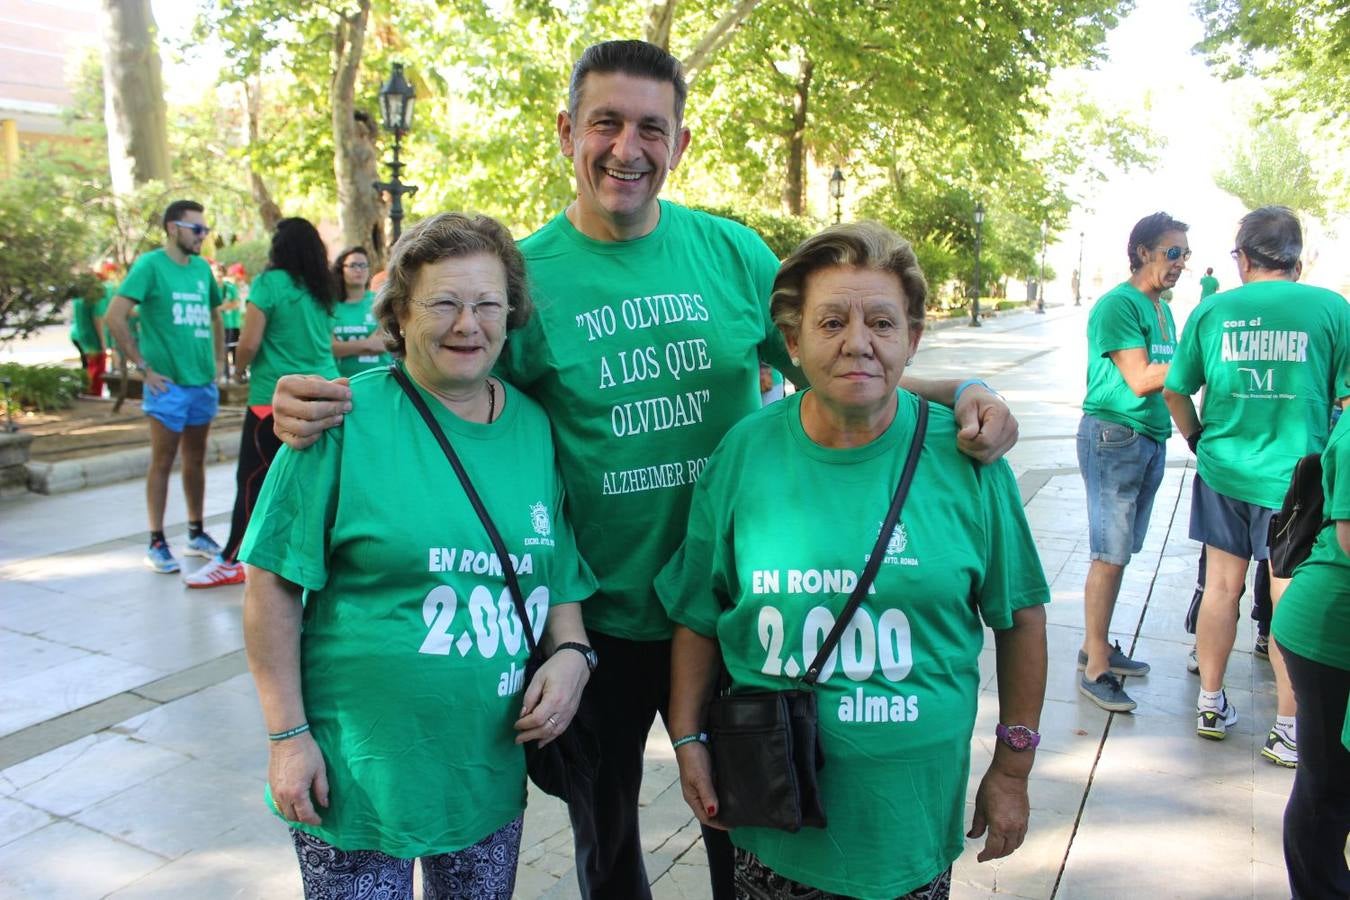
<point>216,724</point>
<point>1270,879</point>
<point>24,655</point>
<point>1031,870</point>
<point>79,775</point>
<point>180,810</point>
<point>71,862</point>
<point>250,861</point>
<point>28,608</point>
<point>1268,826</point>
<point>1160,835</point>
<point>18,819</point>
<point>182,647</point>
<point>66,687</point>
<point>1159,744</point>
<point>683,882</point>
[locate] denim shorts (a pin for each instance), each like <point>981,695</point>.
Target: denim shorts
<point>177,407</point>
<point>1233,526</point>
<point>1122,470</point>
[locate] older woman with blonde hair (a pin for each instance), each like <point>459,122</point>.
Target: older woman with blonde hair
<point>381,627</point>
<point>784,519</point>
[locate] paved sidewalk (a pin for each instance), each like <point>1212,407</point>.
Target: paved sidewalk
<point>132,756</point>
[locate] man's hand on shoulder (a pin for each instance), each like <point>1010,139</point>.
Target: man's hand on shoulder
<point>986,426</point>
<point>304,406</point>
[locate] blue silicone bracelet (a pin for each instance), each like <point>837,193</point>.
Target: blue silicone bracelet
<point>960,388</point>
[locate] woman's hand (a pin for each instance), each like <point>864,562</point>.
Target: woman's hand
<point>551,698</point>
<point>303,406</point>
<point>1002,806</point>
<point>987,427</point>
<point>296,772</point>
<point>696,782</point>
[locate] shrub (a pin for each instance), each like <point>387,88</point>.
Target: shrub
<point>42,387</point>
<point>1006,304</point>
<point>253,254</point>
<point>781,233</point>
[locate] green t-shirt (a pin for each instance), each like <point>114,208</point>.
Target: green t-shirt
<point>412,655</point>
<point>1123,319</point>
<point>83,324</point>
<point>1313,616</point>
<point>1208,285</point>
<point>779,530</point>
<point>231,318</point>
<point>1273,355</point>
<point>644,353</point>
<point>354,321</point>
<point>175,304</point>
<point>297,339</point>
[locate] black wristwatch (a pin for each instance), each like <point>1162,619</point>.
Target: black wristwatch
<point>588,652</point>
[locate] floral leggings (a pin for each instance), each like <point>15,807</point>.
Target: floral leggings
<point>485,871</point>
<point>756,881</point>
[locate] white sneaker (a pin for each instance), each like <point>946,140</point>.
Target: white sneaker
<point>215,573</point>
<point>1280,750</point>
<point>1214,723</point>
<point>1192,663</point>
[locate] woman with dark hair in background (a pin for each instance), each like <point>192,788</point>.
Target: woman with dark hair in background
<point>358,343</point>
<point>287,329</point>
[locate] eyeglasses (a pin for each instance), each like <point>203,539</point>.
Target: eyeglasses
<point>198,230</point>
<point>1176,253</point>
<point>451,308</point>
<point>359,266</point>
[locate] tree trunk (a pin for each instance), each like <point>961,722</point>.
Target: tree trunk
<point>659,19</point>
<point>355,162</point>
<point>133,87</point>
<point>794,190</point>
<point>716,37</point>
<point>267,207</point>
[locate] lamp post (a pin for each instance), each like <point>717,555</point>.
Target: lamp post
<point>979,229</point>
<point>396,109</point>
<point>1040,283</point>
<point>1078,283</point>
<point>837,192</point>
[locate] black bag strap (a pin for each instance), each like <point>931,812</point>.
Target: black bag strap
<point>869,572</point>
<point>498,546</point>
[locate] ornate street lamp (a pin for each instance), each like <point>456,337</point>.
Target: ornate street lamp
<point>396,110</point>
<point>837,192</point>
<point>1078,283</point>
<point>979,229</point>
<point>1040,284</point>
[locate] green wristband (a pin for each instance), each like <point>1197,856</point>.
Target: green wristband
<point>701,737</point>
<point>289,733</point>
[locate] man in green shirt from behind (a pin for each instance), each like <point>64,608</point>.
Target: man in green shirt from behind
<point>180,352</point>
<point>1208,283</point>
<point>1272,355</point>
<point>1121,439</point>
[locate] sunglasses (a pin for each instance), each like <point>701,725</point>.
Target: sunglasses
<point>1175,253</point>
<point>198,230</point>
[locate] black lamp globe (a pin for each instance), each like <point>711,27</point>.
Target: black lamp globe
<point>396,102</point>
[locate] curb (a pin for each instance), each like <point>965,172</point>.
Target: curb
<point>124,465</point>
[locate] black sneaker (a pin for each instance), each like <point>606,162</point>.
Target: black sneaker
<point>1106,692</point>
<point>1261,649</point>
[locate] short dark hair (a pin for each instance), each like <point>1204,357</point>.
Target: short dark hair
<point>299,251</point>
<point>1209,270</point>
<point>1271,237</point>
<point>339,278</point>
<point>866,245</point>
<point>449,236</point>
<point>1148,231</point>
<point>175,210</point>
<point>636,58</point>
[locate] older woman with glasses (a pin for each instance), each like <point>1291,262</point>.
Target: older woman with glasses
<point>358,344</point>
<point>393,694</point>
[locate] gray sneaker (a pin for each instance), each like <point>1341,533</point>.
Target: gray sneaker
<point>1106,692</point>
<point>1121,664</point>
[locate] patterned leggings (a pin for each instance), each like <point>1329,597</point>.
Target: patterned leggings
<point>485,871</point>
<point>756,881</point>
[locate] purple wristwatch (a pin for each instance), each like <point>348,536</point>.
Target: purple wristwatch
<point>1017,737</point>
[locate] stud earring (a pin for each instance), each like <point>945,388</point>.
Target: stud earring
<point>796,361</point>
<point>910,361</point>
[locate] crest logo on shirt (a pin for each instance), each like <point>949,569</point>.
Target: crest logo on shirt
<point>539,519</point>
<point>896,547</point>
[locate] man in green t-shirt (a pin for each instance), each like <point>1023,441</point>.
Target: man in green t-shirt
<point>1121,439</point>
<point>180,352</point>
<point>650,321</point>
<point>1272,355</point>
<point>1208,283</point>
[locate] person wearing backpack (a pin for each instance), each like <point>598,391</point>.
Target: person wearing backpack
<point>1312,629</point>
<point>1273,355</point>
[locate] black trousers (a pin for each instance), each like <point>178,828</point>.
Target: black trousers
<point>629,688</point>
<point>1317,818</point>
<point>258,446</point>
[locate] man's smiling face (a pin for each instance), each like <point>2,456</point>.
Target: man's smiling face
<point>622,143</point>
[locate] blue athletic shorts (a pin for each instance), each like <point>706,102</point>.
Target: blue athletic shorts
<point>1122,470</point>
<point>177,407</point>
<point>1234,526</point>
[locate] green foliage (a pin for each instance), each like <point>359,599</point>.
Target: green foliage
<point>1302,48</point>
<point>1273,169</point>
<point>781,233</point>
<point>42,387</point>
<point>1002,305</point>
<point>252,253</point>
<point>42,264</point>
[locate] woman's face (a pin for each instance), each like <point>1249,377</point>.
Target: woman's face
<point>356,270</point>
<point>1159,272</point>
<point>455,348</point>
<point>855,339</point>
